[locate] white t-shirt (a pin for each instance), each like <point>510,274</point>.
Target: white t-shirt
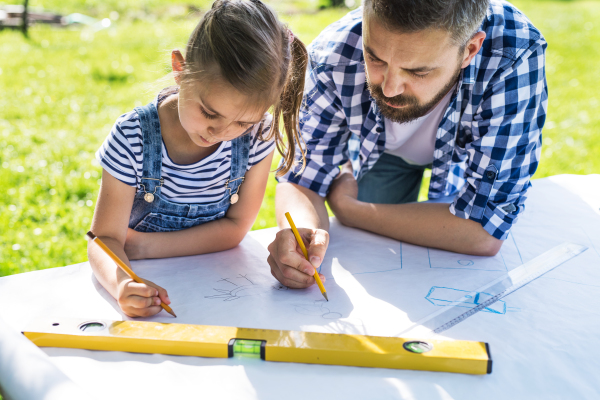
<point>414,141</point>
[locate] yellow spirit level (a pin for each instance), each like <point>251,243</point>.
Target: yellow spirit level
<point>272,345</point>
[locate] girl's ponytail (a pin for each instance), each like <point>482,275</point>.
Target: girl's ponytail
<point>288,107</point>
<point>243,42</point>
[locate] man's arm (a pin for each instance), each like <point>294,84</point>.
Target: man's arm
<point>423,224</point>
<point>502,158</point>
<point>325,133</point>
<point>307,207</point>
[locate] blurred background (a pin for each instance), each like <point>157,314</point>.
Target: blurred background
<point>82,63</point>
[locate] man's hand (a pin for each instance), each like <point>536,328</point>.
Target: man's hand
<point>287,262</point>
<point>343,189</point>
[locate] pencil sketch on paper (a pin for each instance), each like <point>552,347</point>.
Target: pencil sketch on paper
<point>317,308</point>
<point>242,286</point>
<point>443,296</point>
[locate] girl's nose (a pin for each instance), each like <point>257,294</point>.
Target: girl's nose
<point>212,131</point>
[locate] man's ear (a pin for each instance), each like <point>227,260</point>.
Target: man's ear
<point>472,48</point>
<point>178,64</point>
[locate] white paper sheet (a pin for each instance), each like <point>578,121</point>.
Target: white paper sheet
<point>542,336</point>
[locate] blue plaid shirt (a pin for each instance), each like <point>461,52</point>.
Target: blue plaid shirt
<point>488,143</point>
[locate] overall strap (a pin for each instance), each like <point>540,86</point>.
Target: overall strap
<point>240,152</point>
<point>152,152</point>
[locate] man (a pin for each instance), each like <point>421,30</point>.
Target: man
<point>400,85</point>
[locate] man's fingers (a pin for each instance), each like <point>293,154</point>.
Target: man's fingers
<point>289,276</point>
<point>319,240</point>
<point>287,252</point>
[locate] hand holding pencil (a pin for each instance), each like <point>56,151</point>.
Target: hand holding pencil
<point>141,290</point>
<point>301,244</point>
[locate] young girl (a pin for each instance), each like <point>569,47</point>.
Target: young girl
<point>186,174</point>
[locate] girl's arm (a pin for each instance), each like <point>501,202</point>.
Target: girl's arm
<point>110,222</point>
<point>219,235</point>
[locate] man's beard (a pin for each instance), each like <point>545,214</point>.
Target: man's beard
<point>413,109</point>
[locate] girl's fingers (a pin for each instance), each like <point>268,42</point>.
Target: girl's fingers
<point>142,312</point>
<point>141,289</point>
<point>142,302</point>
<point>162,293</point>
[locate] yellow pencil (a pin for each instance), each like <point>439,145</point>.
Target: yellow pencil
<point>124,267</point>
<point>301,243</point>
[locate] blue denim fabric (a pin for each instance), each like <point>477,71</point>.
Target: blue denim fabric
<point>391,181</point>
<point>165,216</point>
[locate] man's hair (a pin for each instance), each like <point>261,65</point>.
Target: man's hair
<point>461,18</point>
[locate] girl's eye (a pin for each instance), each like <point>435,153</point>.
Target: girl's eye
<point>207,115</point>
<point>245,126</point>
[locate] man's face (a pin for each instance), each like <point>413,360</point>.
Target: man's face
<point>408,73</point>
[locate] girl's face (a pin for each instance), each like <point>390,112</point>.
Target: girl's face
<point>214,112</point>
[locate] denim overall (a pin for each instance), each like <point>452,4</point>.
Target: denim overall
<point>152,213</point>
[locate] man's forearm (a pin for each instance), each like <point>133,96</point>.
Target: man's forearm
<point>423,224</point>
<point>307,207</point>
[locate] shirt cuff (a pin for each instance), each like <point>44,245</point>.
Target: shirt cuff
<point>305,181</point>
<point>496,219</point>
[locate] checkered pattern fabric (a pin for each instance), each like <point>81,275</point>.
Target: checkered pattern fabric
<point>488,143</point>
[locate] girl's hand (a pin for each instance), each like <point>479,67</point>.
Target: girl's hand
<point>140,299</point>
<point>133,244</point>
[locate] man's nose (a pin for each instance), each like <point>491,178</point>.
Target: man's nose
<point>393,85</point>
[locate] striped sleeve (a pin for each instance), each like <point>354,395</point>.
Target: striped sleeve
<point>121,153</point>
<point>260,149</point>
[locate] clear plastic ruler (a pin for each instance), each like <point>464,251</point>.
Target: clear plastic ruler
<point>463,308</point>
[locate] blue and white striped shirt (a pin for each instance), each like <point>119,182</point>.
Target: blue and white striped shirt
<point>488,142</point>
<point>121,155</point>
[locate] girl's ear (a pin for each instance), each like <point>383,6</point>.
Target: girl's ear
<point>178,64</point>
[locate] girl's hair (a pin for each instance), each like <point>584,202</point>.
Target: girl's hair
<point>243,42</point>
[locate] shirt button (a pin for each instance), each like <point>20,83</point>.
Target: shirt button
<point>490,175</point>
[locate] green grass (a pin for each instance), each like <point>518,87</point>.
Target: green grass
<point>62,90</point>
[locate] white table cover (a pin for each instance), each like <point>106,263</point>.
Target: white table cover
<point>543,338</point>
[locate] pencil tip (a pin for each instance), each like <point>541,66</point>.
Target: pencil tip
<point>325,295</point>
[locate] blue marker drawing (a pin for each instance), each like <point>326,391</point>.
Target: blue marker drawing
<point>443,296</point>
<point>465,263</point>
<point>447,260</point>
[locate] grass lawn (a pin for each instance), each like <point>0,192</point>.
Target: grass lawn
<point>62,90</point>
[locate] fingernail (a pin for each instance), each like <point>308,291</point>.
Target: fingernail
<point>315,261</point>
<point>156,292</point>
<point>168,300</point>
<point>157,301</point>
<point>309,271</point>
<point>322,278</point>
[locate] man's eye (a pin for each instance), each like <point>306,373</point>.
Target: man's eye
<point>374,60</point>
<point>420,76</point>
